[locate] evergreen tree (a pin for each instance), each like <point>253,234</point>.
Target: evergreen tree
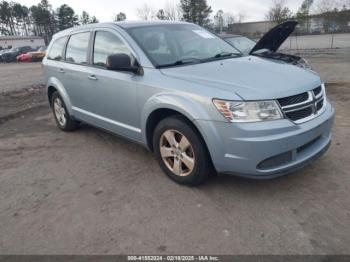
<point>304,13</point>
<point>66,17</point>
<point>94,20</point>
<point>161,15</point>
<point>85,18</point>
<point>196,11</point>
<point>120,17</point>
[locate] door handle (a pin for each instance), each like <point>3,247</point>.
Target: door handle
<point>92,77</point>
<point>61,71</point>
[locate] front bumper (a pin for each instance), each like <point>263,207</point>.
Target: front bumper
<point>266,149</point>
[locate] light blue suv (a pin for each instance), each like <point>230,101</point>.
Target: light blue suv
<point>189,97</point>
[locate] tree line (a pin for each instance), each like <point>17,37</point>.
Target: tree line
<point>335,15</point>
<point>194,11</point>
<point>39,20</point>
<point>43,20</point>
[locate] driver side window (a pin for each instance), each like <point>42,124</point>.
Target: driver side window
<point>107,43</point>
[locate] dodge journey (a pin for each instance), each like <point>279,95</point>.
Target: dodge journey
<point>191,98</point>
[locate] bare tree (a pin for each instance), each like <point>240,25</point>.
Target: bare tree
<point>229,19</point>
<point>279,12</point>
<point>145,12</point>
<point>323,6</point>
<point>219,20</point>
<point>241,17</point>
<point>172,11</point>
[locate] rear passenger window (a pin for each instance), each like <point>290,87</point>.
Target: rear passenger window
<point>77,48</point>
<point>56,50</point>
<point>107,44</point>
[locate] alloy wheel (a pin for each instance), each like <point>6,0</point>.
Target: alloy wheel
<point>177,153</point>
<point>60,111</point>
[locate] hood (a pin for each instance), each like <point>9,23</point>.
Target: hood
<point>273,39</point>
<point>251,78</point>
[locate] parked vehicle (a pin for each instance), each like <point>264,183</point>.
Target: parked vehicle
<point>268,45</point>
<point>1,52</point>
<point>189,97</point>
<point>24,58</point>
<point>241,43</point>
<point>11,55</point>
<point>38,55</point>
<point>35,56</point>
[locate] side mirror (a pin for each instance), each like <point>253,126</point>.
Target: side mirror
<point>121,62</point>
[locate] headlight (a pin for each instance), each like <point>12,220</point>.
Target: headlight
<point>248,111</point>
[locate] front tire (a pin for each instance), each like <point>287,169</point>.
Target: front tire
<point>63,120</point>
<point>181,151</point>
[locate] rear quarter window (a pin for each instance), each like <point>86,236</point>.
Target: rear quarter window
<point>56,51</point>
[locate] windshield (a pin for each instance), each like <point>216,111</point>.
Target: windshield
<point>243,44</point>
<point>178,44</point>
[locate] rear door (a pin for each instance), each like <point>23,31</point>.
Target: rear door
<point>54,63</point>
<point>76,71</point>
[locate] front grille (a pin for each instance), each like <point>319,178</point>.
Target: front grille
<point>317,90</point>
<point>290,100</point>
<point>299,114</point>
<point>299,108</point>
<point>320,105</point>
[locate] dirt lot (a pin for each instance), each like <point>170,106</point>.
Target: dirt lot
<point>15,76</point>
<point>88,192</point>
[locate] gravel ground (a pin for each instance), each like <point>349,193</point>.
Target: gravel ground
<point>88,192</point>
<point>16,76</point>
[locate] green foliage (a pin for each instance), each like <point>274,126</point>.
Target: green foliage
<point>39,20</point>
<point>161,15</point>
<point>120,17</point>
<point>94,20</point>
<point>85,19</point>
<point>303,14</point>
<point>196,11</point>
<point>66,17</point>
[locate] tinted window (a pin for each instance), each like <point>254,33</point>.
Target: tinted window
<point>77,48</point>
<point>107,44</point>
<point>57,49</point>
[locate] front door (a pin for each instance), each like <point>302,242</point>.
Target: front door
<point>114,100</point>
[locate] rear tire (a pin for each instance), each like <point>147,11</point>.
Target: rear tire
<point>63,120</point>
<point>181,151</point>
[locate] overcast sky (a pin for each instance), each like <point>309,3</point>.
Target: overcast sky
<point>105,10</point>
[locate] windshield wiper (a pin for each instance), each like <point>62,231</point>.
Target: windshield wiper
<point>184,61</point>
<point>226,54</point>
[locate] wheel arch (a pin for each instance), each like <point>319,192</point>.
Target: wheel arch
<point>165,105</point>
<point>55,85</point>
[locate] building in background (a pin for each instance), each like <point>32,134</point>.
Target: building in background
<point>251,29</point>
<point>18,41</point>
